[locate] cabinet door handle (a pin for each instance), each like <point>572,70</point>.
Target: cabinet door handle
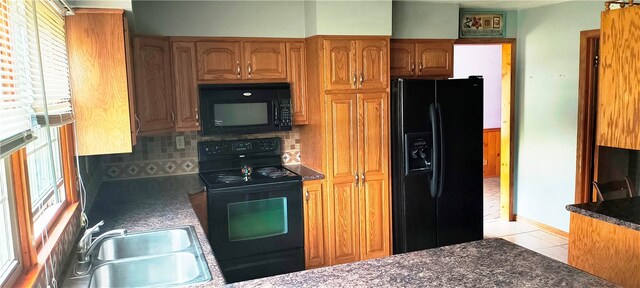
<point>238,68</point>
<point>249,68</point>
<point>361,79</point>
<point>362,177</point>
<point>139,125</point>
<point>420,67</point>
<point>413,66</point>
<point>173,117</point>
<point>306,195</point>
<point>197,118</point>
<point>355,81</point>
<point>357,180</point>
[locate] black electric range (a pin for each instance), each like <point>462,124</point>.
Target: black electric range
<point>254,206</point>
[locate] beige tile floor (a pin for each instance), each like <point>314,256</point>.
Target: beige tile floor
<point>528,236</point>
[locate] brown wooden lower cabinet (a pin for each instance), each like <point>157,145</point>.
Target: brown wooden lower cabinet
<point>315,252</point>
<point>199,203</point>
<point>606,250</point>
<point>491,152</point>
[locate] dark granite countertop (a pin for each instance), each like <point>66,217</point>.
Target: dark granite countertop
<point>484,263</point>
<point>153,203</point>
<point>624,212</point>
<point>306,172</point>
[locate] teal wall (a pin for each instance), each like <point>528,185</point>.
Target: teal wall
<point>546,108</point>
<point>289,19</point>
<point>352,18</point>
<point>220,18</point>
<point>417,19</point>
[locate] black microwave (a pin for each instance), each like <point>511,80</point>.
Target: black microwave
<point>244,108</point>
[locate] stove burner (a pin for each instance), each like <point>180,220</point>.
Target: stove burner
<point>277,174</point>
<point>267,170</point>
<point>229,178</point>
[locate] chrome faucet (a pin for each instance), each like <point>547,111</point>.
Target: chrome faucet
<point>86,246</point>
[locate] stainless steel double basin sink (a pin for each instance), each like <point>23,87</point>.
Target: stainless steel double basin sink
<point>169,257</point>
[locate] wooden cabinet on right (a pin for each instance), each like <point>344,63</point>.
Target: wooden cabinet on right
<point>297,77</point>
<point>223,60</point>
<point>315,250</point>
<point>491,152</point>
<point>347,139</point>
<point>154,87</point>
<point>619,83</point>
<point>421,58</point>
<point>183,56</point>
<point>199,204</point>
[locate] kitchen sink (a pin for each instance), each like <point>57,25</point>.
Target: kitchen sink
<point>150,243</point>
<point>168,257</point>
<point>165,270</point>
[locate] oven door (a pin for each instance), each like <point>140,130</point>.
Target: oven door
<point>255,219</point>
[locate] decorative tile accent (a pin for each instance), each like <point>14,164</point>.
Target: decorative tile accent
<point>133,170</point>
<point>170,167</point>
<point>113,171</point>
<point>188,166</point>
<point>151,169</point>
<point>157,155</point>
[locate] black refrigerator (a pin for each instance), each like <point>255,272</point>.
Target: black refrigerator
<point>436,149</point>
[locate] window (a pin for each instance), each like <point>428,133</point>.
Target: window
<point>46,182</point>
<point>9,265</point>
<point>35,113</point>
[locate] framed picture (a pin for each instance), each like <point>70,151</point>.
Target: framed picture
<point>482,24</point>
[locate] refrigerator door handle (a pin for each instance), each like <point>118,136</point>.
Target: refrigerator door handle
<point>435,151</point>
<point>440,150</point>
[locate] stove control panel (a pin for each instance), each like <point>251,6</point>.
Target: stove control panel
<point>238,147</point>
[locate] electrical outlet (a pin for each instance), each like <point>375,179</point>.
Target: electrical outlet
<point>179,142</point>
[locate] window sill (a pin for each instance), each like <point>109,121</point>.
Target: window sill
<point>29,278</point>
<point>45,221</point>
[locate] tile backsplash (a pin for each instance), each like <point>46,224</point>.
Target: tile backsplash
<point>158,156</point>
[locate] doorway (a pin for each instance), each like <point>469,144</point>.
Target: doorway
<point>498,159</point>
<point>587,151</point>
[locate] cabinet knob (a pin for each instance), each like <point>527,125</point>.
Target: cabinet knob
<point>249,68</point>
<point>357,180</point>
<point>238,69</point>
<point>361,79</point>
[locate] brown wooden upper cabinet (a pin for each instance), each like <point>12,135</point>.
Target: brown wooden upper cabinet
<point>356,64</point>
<point>422,58</point>
<point>154,86</point>
<point>619,88</point>
<point>101,81</point>
<point>184,64</point>
<point>296,75</point>
<point>220,60</point>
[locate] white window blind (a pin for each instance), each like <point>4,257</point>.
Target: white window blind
<point>16,115</point>
<point>52,107</point>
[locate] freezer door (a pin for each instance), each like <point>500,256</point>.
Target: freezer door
<point>414,214</point>
<point>459,203</point>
